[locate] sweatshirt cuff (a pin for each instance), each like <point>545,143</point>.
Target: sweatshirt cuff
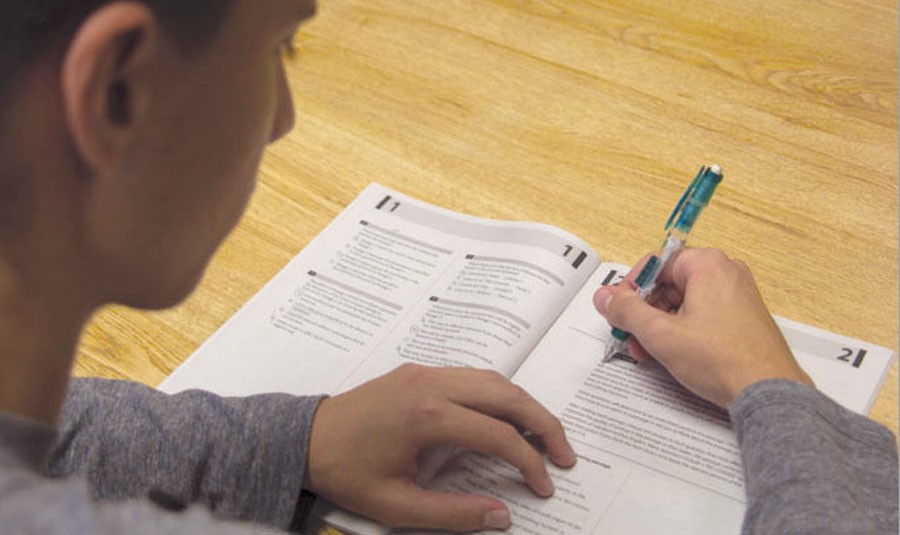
<point>285,426</point>
<point>782,400</point>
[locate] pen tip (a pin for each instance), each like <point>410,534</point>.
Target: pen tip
<point>609,353</point>
<point>716,169</point>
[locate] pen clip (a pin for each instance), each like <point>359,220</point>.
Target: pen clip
<point>688,193</point>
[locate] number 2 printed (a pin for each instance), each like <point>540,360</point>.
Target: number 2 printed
<point>847,352</point>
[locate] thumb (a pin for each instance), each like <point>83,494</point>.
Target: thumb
<point>623,308</point>
<point>420,508</point>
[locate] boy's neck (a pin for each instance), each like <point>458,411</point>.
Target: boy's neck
<point>39,335</point>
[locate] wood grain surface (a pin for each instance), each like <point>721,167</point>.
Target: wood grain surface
<point>591,116</point>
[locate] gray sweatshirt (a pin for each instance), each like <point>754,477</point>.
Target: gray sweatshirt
<point>128,459</point>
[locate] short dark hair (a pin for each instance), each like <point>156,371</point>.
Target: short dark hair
<point>31,28</point>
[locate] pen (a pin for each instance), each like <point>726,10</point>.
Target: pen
<point>678,227</point>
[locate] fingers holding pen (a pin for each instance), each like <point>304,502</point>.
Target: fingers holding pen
<point>666,309</point>
<point>628,281</point>
<point>709,327</point>
<point>625,309</point>
<point>669,292</point>
<point>662,297</point>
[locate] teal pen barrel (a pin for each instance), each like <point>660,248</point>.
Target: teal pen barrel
<point>647,274</point>
<point>706,186</point>
<point>619,334</point>
<point>643,278</point>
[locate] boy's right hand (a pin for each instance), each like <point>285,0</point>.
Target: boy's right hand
<point>707,325</point>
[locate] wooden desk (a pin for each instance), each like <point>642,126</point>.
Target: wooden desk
<point>590,116</point>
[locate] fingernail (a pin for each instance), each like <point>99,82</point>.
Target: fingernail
<point>602,301</point>
<point>545,489</point>
<point>497,519</point>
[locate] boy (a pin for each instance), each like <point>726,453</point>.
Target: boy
<point>107,167</point>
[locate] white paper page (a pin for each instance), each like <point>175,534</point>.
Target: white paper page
<point>653,458</point>
<point>849,371</point>
<point>393,280</point>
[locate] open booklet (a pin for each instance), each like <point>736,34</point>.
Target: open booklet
<point>394,280</point>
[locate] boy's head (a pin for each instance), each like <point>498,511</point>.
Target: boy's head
<point>132,132</point>
<point>30,29</point>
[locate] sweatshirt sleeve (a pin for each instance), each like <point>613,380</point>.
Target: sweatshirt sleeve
<point>812,466</point>
<point>244,458</point>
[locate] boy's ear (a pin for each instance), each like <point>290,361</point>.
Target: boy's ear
<point>105,81</point>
